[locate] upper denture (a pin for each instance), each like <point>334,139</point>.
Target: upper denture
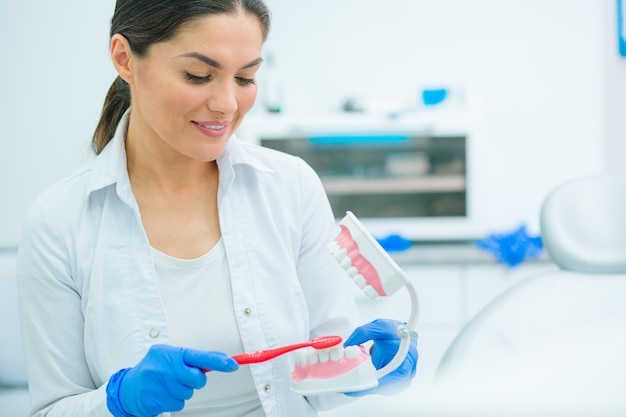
<point>352,261</point>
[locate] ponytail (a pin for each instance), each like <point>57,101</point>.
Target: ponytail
<point>116,103</point>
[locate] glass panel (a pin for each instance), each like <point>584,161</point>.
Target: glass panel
<point>386,175</point>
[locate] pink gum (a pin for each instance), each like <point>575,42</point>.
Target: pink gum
<point>363,266</point>
<point>328,369</point>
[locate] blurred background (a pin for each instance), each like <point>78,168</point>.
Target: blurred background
<point>440,123</point>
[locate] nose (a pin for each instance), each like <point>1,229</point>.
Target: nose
<point>223,97</point>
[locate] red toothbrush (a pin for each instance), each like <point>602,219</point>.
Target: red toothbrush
<point>321,342</point>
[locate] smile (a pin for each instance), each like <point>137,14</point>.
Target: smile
<point>211,129</point>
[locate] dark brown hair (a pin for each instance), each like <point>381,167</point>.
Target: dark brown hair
<point>145,22</point>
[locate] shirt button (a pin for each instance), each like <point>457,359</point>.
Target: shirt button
<point>247,311</point>
<point>154,333</point>
<point>267,388</point>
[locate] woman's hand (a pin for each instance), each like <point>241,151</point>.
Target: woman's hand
<point>384,334</point>
<point>162,380</point>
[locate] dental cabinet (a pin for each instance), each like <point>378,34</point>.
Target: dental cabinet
<point>405,175</point>
<point>386,175</point>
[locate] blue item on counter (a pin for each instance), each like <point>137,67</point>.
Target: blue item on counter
<point>162,380</point>
<point>395,243</point>
<point>434,96</point>
<point>512,248</point>
<point>384,334</point>
<point>357,138</point>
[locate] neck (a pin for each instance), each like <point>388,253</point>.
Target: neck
<point>161,167</point>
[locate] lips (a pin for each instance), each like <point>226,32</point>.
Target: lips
<point>212,125</point>
<point>213,128</point>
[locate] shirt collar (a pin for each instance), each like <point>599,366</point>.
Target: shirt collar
<point>110,167</point>
<point>236,153</point>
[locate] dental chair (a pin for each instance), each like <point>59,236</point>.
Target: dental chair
<point>555,344</point>
<point>14,400</point>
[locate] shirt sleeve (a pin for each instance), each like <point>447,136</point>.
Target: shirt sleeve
<point>328,290</point>
<point>60,383</point>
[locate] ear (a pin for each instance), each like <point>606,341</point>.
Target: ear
<point>122,57</point>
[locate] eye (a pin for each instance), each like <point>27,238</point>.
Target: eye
<point>195,79</point>
<point>245,81</point>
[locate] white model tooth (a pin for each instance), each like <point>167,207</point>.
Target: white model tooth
<point>336,354</point>
<point>370,291</point>
<point>312,358</point>
<point>340,254</point>
<point>301,357</point>
<point>352,271</point>
<point>346,263</point>
<point>323,355</point>
<point>360,280</point>
<point>352,351</point>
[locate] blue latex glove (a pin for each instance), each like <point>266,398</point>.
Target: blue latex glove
<point>512,248</point>
<point>162,380</point>
<point>386,343</point>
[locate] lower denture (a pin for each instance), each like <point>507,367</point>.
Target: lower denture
<point>328,369</point>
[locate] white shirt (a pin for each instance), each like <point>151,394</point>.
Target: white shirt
<point>89,297</point>
<point>198,303</point>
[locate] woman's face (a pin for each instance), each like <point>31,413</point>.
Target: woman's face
<point>190,94</point>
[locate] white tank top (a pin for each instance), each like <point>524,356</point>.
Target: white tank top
<point>197,298</point>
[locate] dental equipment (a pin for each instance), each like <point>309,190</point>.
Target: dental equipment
<point>377,274</point>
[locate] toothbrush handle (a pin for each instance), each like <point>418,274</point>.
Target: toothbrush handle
<point>265,355</point>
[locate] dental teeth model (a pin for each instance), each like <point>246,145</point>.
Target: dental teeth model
<point>350,369</point>
<point>338,368</point>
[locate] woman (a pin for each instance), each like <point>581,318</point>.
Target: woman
<point>179,245</point>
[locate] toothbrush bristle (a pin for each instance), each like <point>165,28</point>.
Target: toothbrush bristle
<point>324,342</point>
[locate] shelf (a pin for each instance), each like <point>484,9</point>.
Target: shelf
<point>427,184</point>
<point>429,122</point>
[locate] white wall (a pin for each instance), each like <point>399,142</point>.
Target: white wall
<point>539,64</point>
<point>615,93</point>
<point>54,76</point>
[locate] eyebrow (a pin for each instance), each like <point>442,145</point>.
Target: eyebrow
<point>215,64</point>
